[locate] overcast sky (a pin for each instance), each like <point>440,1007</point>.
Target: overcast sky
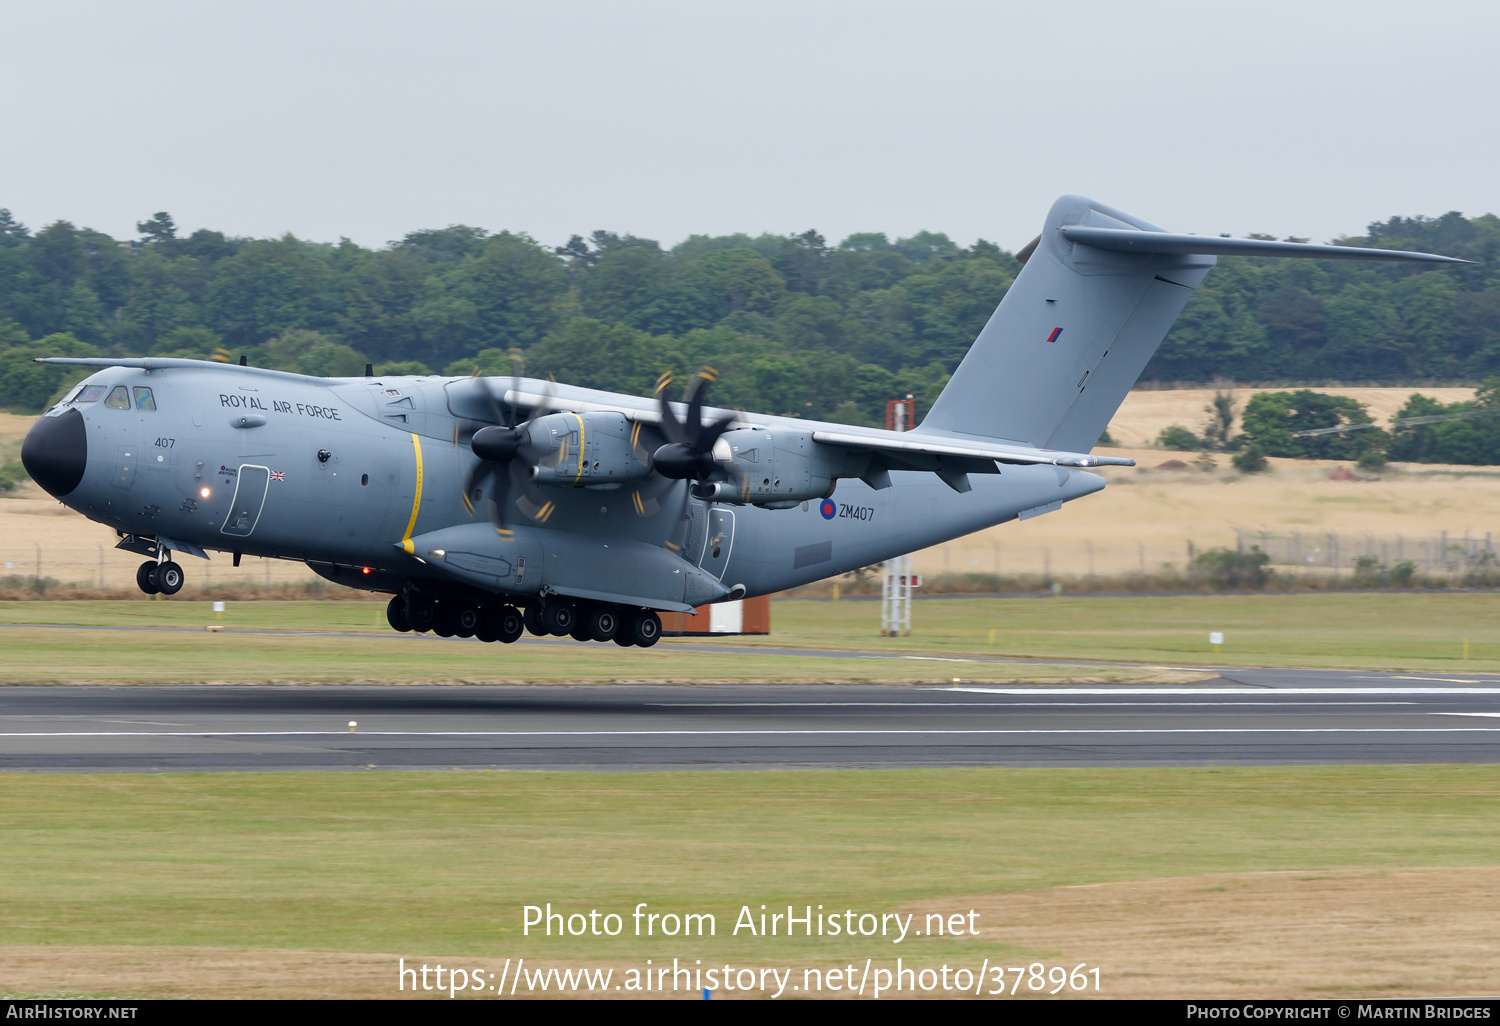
<point>664,119</point>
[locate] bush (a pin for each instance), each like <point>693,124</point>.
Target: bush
<point>1251,460</point>
<point>1273,421</point>
<point>1177,437</point>
<point>1482,570</point>
<point>1368,572</point>
<point>11,476</point>
<point>1228,568</point>
<point>1372,462</point>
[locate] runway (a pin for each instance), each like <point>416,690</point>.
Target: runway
<point>1244,717</point>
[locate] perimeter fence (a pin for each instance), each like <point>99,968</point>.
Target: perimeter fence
<point>1292,561</point>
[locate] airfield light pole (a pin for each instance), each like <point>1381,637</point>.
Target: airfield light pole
<point>896,577</point>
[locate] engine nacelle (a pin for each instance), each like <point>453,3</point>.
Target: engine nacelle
<point>589,449</point>
<point>777,468</point>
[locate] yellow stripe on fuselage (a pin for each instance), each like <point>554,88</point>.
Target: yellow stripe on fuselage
<point>581,450</point>
<point>416,499</point>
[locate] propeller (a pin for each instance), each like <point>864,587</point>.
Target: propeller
<point>506,454</point>
<point>688,454</point>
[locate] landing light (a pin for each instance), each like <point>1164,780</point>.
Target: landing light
<point>203,492</point>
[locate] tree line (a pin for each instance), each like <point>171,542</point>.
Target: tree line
<point>795,325</point>
<point>1315,425</point>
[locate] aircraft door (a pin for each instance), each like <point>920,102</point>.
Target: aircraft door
<point>249,498</point>
<point>720,540</point>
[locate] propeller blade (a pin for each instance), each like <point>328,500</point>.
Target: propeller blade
<point>694,399</point>
<point>646,498</point>
<point>473,481</point>
<point>670,425</point>
<point>499,502</point>
<point>497,413</point>
<point>713,432</point>
<point>521,481</point>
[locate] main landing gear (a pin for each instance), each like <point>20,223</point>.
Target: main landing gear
<point>164,578</point>
<point>459,617</point>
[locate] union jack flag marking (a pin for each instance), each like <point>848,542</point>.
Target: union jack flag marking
<point>277,475</point>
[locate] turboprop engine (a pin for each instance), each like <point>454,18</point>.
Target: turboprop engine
<point>760,466</point>
<point>588,449</point>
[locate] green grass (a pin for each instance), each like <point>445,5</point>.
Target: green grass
<point>444,862</point>
<point>1379,631</point>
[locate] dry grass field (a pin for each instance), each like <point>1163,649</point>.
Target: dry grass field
<point>1144,519</point>
<point>1146,411</point>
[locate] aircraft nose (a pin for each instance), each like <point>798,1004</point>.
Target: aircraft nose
<point>55,452</point>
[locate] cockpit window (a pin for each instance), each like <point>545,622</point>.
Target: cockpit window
<point>89,394</point>
<point>119,399</point>
<point>144,400</point>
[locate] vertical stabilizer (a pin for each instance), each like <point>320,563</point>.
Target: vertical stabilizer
<point>1070,338</point>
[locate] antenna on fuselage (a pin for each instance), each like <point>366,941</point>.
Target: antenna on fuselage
<point>242,360</point>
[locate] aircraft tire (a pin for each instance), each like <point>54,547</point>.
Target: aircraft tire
<point>145,577</point>
<point>421,613</point>
<point>485,632</point>
<point>532,620</point>
<point>622,636</point>
<point>507,625</point>
<point>395,614</point>
<point>602,622</point>
<point>168,578</point>
<point>559,617</point>
<point>466,620</point>
<point>645,628</point>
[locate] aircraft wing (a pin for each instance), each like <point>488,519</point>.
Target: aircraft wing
<point>905,447</point>
<point>908,444</point>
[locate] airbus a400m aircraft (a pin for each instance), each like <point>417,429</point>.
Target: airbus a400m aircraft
<point>605,508</point>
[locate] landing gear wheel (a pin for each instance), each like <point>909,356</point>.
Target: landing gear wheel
<point>466,620</point>
<point>506,624</point>
<point>532,620</point>
<point>645,628</point>
<point>580,630</point>
<point>602,623</point>
<point>421,613</point>
<point>168,578</point>
<point>395,614</point>
<point>445,624</point>
<point>559,618</point>
<point>485,632</point>
<point>145,577</point>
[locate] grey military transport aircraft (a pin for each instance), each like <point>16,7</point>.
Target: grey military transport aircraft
<point>606,508</point>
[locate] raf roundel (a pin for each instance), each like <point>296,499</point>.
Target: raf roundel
<point>828,509</point>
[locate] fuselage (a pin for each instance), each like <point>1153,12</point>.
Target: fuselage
<point>349,475</point>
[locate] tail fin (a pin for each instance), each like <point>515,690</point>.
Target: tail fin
<point>1070,338</point>
<point>1099,292</point>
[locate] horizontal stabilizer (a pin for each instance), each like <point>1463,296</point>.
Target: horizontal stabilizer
<point>923,444</point>
<point>1126,240</point>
